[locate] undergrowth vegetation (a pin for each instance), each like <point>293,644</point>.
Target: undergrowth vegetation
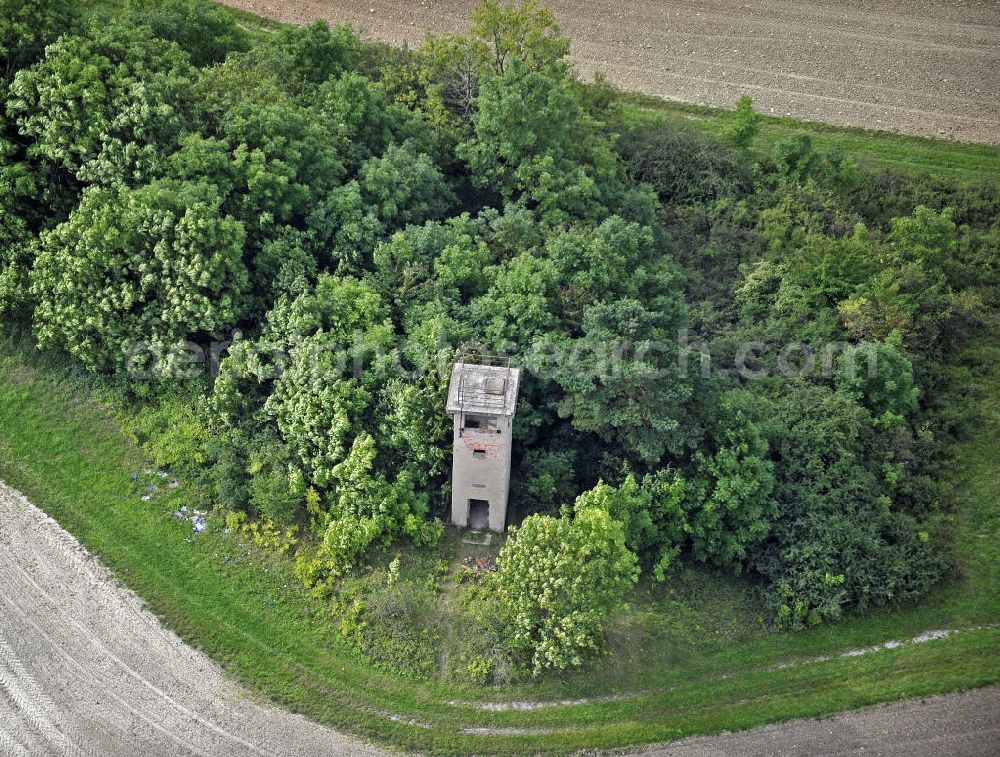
<point>264,252</point>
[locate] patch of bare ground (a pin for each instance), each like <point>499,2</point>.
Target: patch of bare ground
<point>966,724</point>
<point>924,67</point>
<point>86,669</point>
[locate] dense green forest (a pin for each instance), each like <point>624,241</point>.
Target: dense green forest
<point>267,250</point>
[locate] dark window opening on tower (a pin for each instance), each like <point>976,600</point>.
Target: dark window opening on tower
<point>480,423</point>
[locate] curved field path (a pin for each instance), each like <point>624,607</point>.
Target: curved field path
<point>86,669</point>
<point>927,67</point>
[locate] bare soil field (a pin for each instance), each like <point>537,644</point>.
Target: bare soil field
<point>926,67</point>
<point>85,669</point>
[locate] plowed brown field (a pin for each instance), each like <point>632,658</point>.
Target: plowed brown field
<point>916,66</point>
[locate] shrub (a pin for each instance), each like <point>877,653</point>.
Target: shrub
<point>486,655</point>
<point>837,541</point>
<point>880,375</point>
<point>365,507</point>
<point>558,580</point>
<point>730,500</point>
<point>746,123</point>
<point>683,164</point>
<point>396,623</point>
<point>263,533</point>
<point>202,29</point>
<point>826,562</point>
<point>318,52</point>
<point>794,157</point>
<point>651,515</point>
<point>172,432</point>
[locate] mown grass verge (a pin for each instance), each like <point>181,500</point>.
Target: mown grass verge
<point>246,610</point>
<point>900,152</point>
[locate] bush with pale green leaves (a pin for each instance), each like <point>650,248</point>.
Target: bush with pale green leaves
<point>558,581</point>
<point>133,273</point>
<point>107,107</point>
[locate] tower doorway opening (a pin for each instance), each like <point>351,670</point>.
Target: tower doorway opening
<point>479,514</point>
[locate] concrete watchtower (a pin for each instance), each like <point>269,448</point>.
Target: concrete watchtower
<point>482,398</point>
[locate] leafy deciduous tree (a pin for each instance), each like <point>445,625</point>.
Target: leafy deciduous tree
<point>558,580</point>
<point>27,26</point>
<point>620,380</point>
<point>140,269</point>
<point>107,107</point>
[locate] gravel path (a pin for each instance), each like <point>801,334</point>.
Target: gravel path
<point>929,67</point>
<point>957,725</point>
<point>85,669</point>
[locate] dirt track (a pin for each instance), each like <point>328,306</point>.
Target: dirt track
<point>957,725</point>
<point>85,669</point>
<point>929,67</point>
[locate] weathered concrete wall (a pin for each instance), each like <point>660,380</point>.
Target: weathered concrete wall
<point>481,476</point>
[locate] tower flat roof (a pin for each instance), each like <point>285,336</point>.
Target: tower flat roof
<point>483,389</point>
